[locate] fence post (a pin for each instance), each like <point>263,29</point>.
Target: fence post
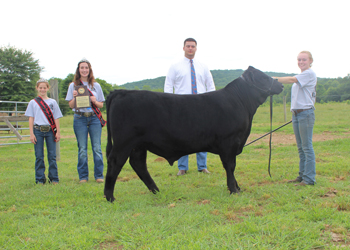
<point>54,95</point>
<point>284,107</point>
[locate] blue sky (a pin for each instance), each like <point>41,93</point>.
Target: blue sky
<point>134,40</point>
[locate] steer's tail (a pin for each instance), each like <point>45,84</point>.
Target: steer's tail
<point>109,134</point>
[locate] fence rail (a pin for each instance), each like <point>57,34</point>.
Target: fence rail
<point>9,122</point>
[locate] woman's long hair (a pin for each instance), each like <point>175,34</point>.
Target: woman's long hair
<point>77,76</point>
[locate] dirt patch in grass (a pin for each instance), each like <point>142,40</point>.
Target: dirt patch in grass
<point>127,178</point>
<point>160,159</point>
<point>289,139</point>
<point>330,194</point>
<point>336,236</point>
<point>110,245</point>
<point>203,202</point>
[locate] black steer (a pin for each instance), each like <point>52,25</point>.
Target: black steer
<point>172,126</point>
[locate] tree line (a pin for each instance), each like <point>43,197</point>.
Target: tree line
<point>327,89</point>
<point>19,72</point>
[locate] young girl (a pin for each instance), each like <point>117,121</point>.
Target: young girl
<point>302,106</point>
<point>43,115</point>
<point>87,121</point>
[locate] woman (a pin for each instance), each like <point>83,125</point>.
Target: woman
<point>87,121</point>
<point>303,106</point>
<point>43,113</point>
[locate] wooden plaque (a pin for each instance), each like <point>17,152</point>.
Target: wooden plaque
<point>82,100</point>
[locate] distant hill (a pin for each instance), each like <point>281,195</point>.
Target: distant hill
<point>221,79</point>
<point>155,83</point>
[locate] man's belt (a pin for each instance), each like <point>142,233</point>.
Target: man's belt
<point>86,114</point>
<point>43,128</point>
<point>297,111</point>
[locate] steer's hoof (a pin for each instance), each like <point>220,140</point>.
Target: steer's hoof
<point>235,191</point>
<point>154,191</point>
<point>110,199</point>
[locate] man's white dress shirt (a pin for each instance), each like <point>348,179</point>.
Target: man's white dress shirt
<point>178,79</point>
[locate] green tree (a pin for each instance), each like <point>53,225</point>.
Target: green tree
<point>65,84</point>
<point>106,87</point>
<point>146,87</point>
<point>115,86</point>
<point>332,95</point>
<point>63,88</point>
<point>19,72</point>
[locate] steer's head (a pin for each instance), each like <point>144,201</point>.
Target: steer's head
<point>261,81</point>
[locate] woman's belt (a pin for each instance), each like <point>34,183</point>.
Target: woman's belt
<point>297,111</point>
<point>86,114</point>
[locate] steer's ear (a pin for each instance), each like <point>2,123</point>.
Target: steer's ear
<point>256,76</point>
<point>249,74</point>
<point>255,73</point>
<point>251,68</point>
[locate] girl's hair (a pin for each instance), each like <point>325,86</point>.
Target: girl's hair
<point>77,76</point>
<point>309,54</point>
<point>42,80</point>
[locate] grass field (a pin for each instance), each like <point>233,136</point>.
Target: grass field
<point>194,211</point>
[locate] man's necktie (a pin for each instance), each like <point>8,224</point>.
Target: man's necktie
<point>193,79</point>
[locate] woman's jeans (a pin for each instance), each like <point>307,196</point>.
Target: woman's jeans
<point>303,124</point>
<point>82,127</point>
<point>39,155</point>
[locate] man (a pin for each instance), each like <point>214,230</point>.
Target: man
<point>189,76</point>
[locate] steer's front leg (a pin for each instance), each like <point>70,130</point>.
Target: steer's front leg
<point>229,163</point>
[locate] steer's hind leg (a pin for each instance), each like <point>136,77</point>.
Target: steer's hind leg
<point>138,163</point>
<point>229,164</point>
<point>116,161</point>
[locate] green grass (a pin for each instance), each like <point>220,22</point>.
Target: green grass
<point>194,211</point>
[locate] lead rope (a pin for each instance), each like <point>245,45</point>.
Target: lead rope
<point>267,133</point>
<point>270,134</point>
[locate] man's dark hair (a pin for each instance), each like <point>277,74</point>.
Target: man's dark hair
<point>190,40</point>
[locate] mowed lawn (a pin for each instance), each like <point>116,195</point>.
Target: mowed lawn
<point>194,211</point>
